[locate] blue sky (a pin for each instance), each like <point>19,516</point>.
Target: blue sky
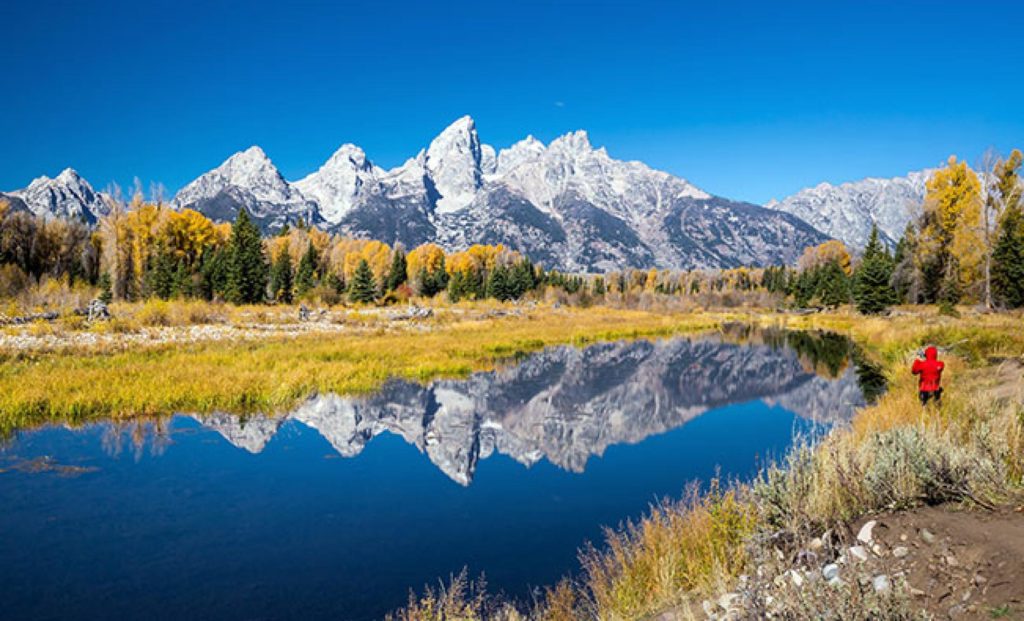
<point>747,100</point>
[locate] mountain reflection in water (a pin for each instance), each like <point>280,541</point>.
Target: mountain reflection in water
<point>162,518</point>
<point>566,404</point>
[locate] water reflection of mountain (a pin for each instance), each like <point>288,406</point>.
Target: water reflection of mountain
<point>566,404</point>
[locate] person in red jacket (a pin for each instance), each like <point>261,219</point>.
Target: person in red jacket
<point>930,370</point>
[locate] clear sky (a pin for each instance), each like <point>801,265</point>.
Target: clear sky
<point>747,100</point>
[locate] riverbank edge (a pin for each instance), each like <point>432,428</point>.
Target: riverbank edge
<point>765,548</point>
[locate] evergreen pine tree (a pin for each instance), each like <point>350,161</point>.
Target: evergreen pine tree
<point>160,276</point>
<point>805,286</point>
<point>599,286</point>
<point>833,285</point>
<point>106,288</point>
<point>1008,259</point>
<point>247,268</point>
<point>181,286</point>
<point>363,288</point>
<point>498,284</point>
<point>335,282</point>
<point>950,291</point>
<point>305,276</point>
<point>397,273</point>
<point>214,272</point>
<point>433,282</point>
<point>281,278</point>
<point>871,287</point>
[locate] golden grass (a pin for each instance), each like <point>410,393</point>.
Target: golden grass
<point>678,549</point>
<point>895,453</point>
<point>272,374</point>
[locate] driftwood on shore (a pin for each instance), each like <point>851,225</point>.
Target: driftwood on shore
<point>411,312</point>
<point>26,319</point>
<point>95,311</point>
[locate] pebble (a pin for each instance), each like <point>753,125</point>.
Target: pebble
<point>927,536</point>
<point>881,583</point>
<point>865,534</point>
<point>816,544</point>
<point>859,553</point>
<point>830,571</point>
<point>796,578</point>
<point>727,599</point>
<point>951,561</point>
<point>900,551</point>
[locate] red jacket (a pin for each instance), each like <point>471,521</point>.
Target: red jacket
<point>930,370</point>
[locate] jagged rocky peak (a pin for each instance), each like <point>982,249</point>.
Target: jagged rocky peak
<point>340,183</point>
<point>848,210</point>
<point>574,143</point>
<point>249,167</point>
<point>454,161</point>
<point>249,180</point>
<point>67,195</point>
<point>525,150</point>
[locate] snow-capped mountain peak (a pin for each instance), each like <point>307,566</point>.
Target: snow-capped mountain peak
<point>338,185</point>
<point>527,149</point>
<point>247,179</point>
<point>67,195</point>
<point>848,210</point>
<point>454,161</point>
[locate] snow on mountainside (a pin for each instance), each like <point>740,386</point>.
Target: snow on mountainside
<point>67,195</point>
<point>341,183</point>
<point>847,211</point>
<point>567,204</point>
<point>248,179</point>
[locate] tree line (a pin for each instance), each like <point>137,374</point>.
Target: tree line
<point>966,244</point>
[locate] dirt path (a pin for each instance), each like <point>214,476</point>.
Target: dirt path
<point>958,564</point>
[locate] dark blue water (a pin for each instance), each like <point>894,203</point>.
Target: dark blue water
<point>507,474</point>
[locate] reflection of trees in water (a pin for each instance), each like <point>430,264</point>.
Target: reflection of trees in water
<point>870,378</point>
<point>135,435</point>
<point>827,354</point>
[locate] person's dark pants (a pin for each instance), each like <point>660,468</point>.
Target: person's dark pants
<point>928,395</point>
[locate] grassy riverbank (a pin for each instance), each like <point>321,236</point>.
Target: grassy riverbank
<point>273,372</point>
<point>735,545</point>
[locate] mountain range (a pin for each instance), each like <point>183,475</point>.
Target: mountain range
<point>567,204</point>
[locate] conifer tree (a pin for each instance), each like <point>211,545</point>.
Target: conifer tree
<point>1008,259</point>
<point>397,273</point>
<point>498,286</point>
<point>363,288</point>
<point>281,278</point>
<point>214,273</point>
<point>305,276</point>
<point>1008,253</point>
<point>950,290</point>
<point>182,283</point>
<point>833,285</point>
<point>160,276</point>
<point>871,288</point>
<point>247,268</point>
<point>106,288</point>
